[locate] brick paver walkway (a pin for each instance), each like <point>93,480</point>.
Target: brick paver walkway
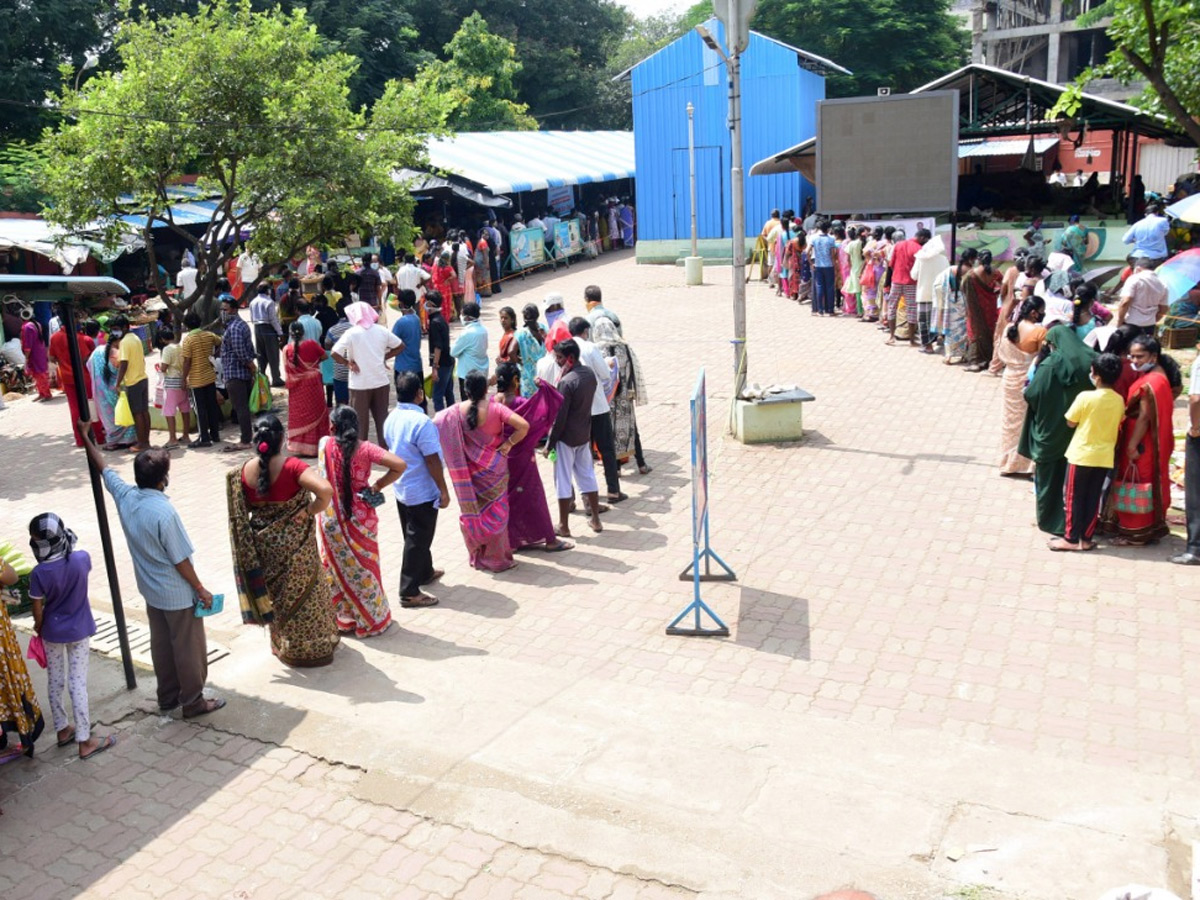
<point>889,579</point>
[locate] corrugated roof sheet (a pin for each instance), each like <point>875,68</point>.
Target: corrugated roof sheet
<point>508,162</point>
<point>1016,147</point>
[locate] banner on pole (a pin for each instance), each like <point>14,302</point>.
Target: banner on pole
<point>701,546</point>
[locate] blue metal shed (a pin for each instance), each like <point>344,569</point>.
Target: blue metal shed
<point>781,85</point>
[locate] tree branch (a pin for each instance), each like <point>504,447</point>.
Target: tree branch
<point>1169,98</point>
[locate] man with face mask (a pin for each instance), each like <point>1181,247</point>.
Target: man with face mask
<point>238,366</point>
<point>167,580</point>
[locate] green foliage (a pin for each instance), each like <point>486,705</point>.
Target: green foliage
<point>643,38</point>
<point>250,104</point>
<point>21,166</point>
<point>900,44</point>
<point>473,89</point>
<point>1157,41</point>
<point>563,47</point>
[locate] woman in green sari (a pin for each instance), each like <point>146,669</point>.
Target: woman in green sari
<point>1060,376</point>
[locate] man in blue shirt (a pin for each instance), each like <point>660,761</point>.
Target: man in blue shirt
<point>166,579</point>
<point>1149,236</point>
<point>823,247</point>
<point>470,350</point>
<point>421,490</point>
<point>408,329</point>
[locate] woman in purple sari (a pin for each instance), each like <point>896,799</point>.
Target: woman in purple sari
<point>529,521</point>
<point>476,455</point>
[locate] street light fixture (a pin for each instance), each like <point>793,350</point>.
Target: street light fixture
<point>90,62</point>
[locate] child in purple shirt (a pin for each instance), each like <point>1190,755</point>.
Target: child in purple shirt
<point>63,619</point>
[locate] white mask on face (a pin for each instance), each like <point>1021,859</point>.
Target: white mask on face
<point>1144,367</point>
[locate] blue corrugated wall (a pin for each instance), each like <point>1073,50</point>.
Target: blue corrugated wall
<point>779,109</point>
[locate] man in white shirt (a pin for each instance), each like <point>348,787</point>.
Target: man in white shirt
<point>602,427</point>
<point>518,223</point>
<point>1059,177</point>
<point>186,279</point>
<point>536,222</point>
<point>411,277</point>
<point>365,349</point>
<point>1144,298</point>
<point>1191,474</point>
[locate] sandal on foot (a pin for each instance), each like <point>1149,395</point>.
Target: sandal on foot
<point>109,741</point>
<point>617,498</point>
<point>208,707</point>
<point>644,470</point>
<point>434,576</point>
<point>68,740</point>
<point>420,600</point>
<point>558,546</point>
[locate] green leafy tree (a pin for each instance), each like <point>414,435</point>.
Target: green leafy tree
<point>245,101</point>
<point>473,89</point>
<point>1156,41</point>
<point>21,167</point>
<point>900,44</point>
<point>563,46</point>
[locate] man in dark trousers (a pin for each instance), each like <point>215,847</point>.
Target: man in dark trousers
<point>421,490</point>
<point>264,316</point>
<point>570,438</point>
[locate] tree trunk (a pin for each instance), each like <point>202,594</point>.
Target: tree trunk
<point>1169,98</point>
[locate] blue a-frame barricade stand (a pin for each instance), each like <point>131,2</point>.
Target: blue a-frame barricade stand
<point>700,532</point>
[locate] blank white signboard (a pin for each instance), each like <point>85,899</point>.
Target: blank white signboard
<point>888,154</point>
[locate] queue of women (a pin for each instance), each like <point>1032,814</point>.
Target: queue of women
<point>1040,327</point>
<point>305,540</point>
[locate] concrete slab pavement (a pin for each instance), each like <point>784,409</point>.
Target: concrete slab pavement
<point>910,669</point>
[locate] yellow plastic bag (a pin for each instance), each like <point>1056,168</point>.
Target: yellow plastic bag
<point>121,414</point>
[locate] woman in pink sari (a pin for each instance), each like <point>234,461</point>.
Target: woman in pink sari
<point>349,526</point>
<point>476,455</point>
<point>1145,445</point>
<point>529,521</point>
<point>308,421</point>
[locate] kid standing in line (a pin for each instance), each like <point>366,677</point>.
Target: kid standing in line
<point>175,395</point>
<point>1096,417</point>
<point>63,619</point>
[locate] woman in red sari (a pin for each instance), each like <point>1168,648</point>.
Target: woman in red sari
<point>475,451</point>
<point>1145,445</point>
<point>307,418</point>
<point>981,293</point>
<point>444,280</point>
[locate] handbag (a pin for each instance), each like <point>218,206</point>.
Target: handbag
<point>122,415</point>
<point>260,394</point>
<point>1133,496</point>
<point>37,650</point>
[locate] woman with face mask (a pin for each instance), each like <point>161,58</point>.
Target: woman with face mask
<point>1144,447</point>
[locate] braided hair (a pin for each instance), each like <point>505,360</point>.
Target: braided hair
<point>296,332</point>
<point>476,384</point>
<point>343,422</point>
<point>268,439</point>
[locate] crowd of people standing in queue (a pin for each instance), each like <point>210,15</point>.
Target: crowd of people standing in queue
<point>1088,392</point>
<point>304,538</point>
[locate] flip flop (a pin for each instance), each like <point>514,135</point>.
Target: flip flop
<point>109,741</point>
<point>617,499</point>
<point>172,445</point>
<point>68,741</point>
<point>644,470</point>
<point>235,448</point>
<point>559,546</point>
<point>209,707</point>
<point>434,576</point>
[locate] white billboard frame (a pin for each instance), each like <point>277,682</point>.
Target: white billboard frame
<point>946,201</point>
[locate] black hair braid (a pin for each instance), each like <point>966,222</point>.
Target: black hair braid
<point>296,331</point>
<point>1013,332</point>
<point>344,422</point>
<point>476,385</point>
<point>268,433</point>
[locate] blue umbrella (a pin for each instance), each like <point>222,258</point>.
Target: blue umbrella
<point>1180,273</point>
<point>1187,209</point>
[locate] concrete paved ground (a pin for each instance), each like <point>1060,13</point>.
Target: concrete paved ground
<point>917,697</point>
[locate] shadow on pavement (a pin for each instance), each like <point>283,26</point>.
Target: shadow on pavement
<point>482,602</point>
<point>423,646</point>
<point>816,439</point>
<point>594,562</point>
<point>530,573</point>
<point>353,677</point>
<point>73,824</point>
<point>774,623</point>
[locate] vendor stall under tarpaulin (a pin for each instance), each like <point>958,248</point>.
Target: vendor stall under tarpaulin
<point>40,237</point>
<point>435,186</point>
<point>67,290</point>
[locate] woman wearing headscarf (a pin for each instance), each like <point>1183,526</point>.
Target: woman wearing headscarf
<point>628,390</point>
<point>1061,375</point>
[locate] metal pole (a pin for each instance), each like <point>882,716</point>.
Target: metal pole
<point>692,173</point>
<point>110,562</point>
<point>733,38</point>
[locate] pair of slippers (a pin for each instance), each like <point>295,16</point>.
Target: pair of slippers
<point>109,741</point>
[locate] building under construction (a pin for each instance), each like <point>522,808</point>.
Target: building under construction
<point>1053,40</point>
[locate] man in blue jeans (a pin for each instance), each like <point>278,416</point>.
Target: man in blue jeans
<point>421,490</point>
<point>823,248</point>
<point>408,329</point>
<point>440,362</point>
